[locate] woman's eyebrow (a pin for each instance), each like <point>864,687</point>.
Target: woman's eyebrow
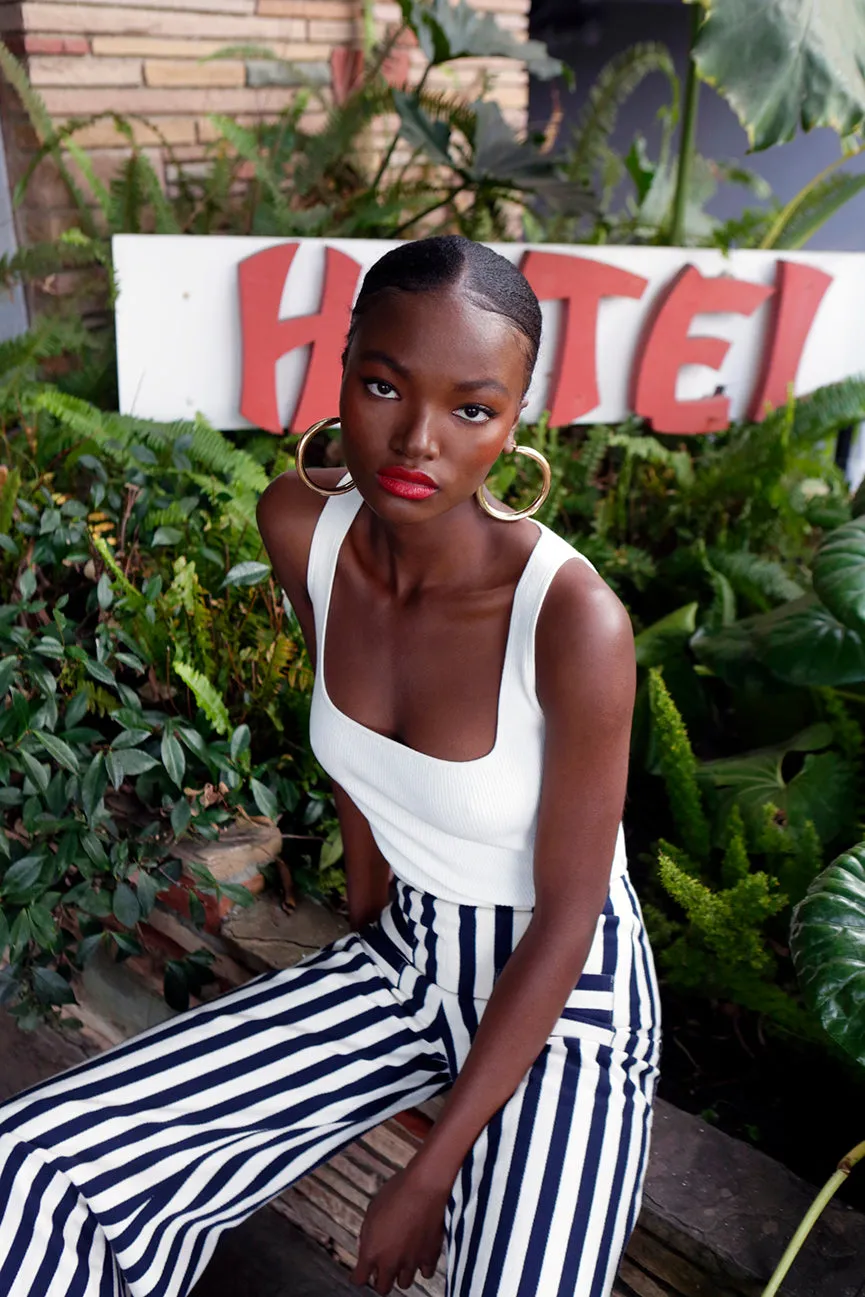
<point>474,384</point>
<point>384,359</point>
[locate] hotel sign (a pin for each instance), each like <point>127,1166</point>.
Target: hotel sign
<point>250,331</point>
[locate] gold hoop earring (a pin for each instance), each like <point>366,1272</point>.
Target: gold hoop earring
<point>530,509</point>
<point>300,448</point>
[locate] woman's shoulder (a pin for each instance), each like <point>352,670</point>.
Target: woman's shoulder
<point>583,628</point>
<point>287,515</point>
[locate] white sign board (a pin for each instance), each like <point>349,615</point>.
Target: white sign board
<point>187,342</point>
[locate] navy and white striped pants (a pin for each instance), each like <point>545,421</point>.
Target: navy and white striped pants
<point>117,1177</point>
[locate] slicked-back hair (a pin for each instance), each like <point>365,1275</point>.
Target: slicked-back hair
<point>487,279</point>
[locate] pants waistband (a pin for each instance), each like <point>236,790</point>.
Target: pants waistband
<point>463,948</point>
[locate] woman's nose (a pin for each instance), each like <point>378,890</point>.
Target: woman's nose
<point>416,437</point>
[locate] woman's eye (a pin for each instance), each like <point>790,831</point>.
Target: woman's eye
<point>378,387</point>
<point>475,413</point>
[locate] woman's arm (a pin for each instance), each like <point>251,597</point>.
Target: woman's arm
<point>585,680</point>
<point>287,514</point>
<point>367,873</point>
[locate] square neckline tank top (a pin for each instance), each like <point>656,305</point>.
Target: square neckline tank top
<point>460,830</point>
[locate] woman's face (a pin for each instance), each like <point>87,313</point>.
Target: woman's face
<point>431,393</point>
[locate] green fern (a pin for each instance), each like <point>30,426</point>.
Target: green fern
<point>205,695</point>
<point>652,451</point>
<point>45,130</point>
<point>39,260</point>
<point>616,82</point>
<point>9,498</point>
<point>209,449</point>
<point>679,768</point>
<point>826,411</point>
<point>185,593</point>
<point>247,145</point>
<point>819,203</point>
<point>729,922</point>
<point>736,864</point>
<point>763,581</point>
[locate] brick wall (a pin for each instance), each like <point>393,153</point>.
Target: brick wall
<point>142,58</point>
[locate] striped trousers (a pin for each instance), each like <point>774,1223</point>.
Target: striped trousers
<point>117,1177</point>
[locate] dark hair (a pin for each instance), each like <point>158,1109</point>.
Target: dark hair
<point>489,280</point>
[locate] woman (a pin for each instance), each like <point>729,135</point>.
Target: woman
<point>472,703</point>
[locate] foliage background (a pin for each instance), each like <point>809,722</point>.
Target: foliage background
<point>153,686</point>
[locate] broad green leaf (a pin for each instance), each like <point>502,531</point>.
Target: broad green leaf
<point>51,988</point>
<point>197,912</point>
<point>131,661</point>
<point>167,536</point>
<point>125,905</point>
<point>332,850</point>
<point>114,766</point>
<point>59,750</point>
<point>808,646</point>
<point>820,792</point>
<point>38,773</point>
<point>8,667</point>
<point>4,934</point>
<point>20,883</point>
<point>246,573</point>
<point>97,903</point>
<point>240,740</point>
<point>827,940</point>
<point>88,946</point>
<point>146,889</point>
<point>126,944</point>
<point>193,741</point>
<point>665,637</point>
<point>421,131</point>
<point>43,925</point>
<point>93,785</point>
<point>104,592</point>
<point>181,814</point>
<point>76,710</point>
<point>173,759</point>
<point>839,573</point>
<point>99,672</point>
<point>129,739</point>
<point>786,64</point>
<point>50,647</point>
<point>27,584</point>
<point>132,762</point>
<point>264,799</point>
<point>95,850</point>
<point>448,31</point>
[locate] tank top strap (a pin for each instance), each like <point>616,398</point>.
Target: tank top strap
<point>330,531</point>
<point>550,554</point>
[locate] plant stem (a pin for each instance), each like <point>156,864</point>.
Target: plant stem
<point>845,1166</point>
<point>427,211</point>
<point>395,141</point>
<point>776,229</point>
<point>688,138</point>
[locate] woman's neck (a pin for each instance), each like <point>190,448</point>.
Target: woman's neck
<point>452,551</point>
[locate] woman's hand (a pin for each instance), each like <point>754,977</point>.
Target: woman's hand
<point>402,1233</point>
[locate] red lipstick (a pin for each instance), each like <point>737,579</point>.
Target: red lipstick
<point>408,483</point>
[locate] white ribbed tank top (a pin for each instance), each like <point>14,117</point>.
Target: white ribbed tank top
<point>460,830</point>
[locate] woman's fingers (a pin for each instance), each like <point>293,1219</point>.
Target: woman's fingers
<point>362,1272</point>
<point>405,1279</point>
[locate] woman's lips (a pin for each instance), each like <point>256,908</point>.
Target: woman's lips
<point>406,482</point>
